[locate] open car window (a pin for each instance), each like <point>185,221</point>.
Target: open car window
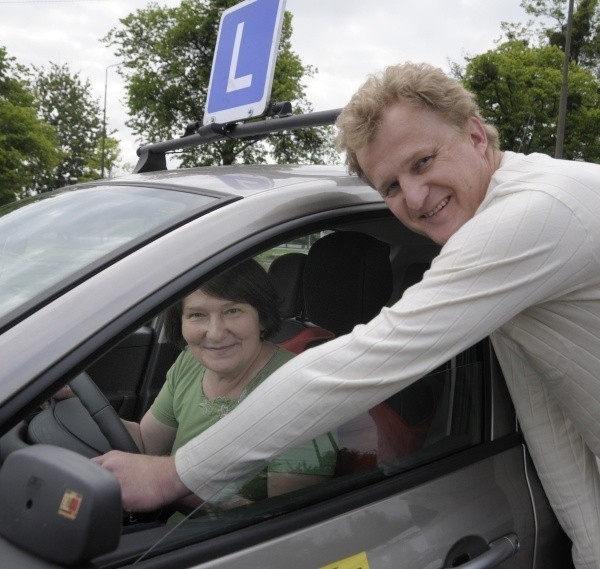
<point>439,415</point>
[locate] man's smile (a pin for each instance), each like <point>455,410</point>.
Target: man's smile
<point>436,209</point>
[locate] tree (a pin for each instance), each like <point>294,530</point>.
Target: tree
<point>167,55</point>
<point>518,90</point>
<point>27,144</point>
<point>65,102</point>
<point>112,157</point>
<point>551,29</point>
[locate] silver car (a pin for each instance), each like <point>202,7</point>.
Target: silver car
<point>437,476</point>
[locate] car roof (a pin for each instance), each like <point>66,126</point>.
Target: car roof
<point>243,180</point>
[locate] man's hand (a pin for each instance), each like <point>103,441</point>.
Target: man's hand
<point>147,482</point>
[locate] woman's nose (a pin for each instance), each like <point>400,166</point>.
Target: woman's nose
<point>215,328</point>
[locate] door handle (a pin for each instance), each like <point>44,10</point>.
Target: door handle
<point>468,553</point>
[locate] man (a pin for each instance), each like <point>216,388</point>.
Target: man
<point>520,262</point>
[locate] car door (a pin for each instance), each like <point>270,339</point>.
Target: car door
<point>131,374</point>
<point>467,491</point>
<point>436,476</point>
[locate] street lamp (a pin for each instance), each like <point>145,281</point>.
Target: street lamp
<point>103,151</point>
<point>562,105</point>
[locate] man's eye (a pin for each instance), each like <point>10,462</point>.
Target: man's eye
<point>391,190</point>
<point>425,161</point>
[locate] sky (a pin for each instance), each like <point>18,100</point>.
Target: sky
<point>345,40</point>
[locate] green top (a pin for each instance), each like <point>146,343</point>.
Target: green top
<point>181,403</point>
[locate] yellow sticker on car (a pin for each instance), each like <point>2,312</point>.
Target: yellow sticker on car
<point>70,504</point>
<point>358,561</point>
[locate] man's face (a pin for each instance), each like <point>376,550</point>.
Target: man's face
<point>432,176</point>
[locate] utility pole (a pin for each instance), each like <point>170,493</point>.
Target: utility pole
<point>562,108</point>
<point>103,148</point>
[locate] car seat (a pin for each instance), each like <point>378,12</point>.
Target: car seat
<point>347,280</point>
<point>286,272</point>
<point>413,274</point>
<point>295,334</point>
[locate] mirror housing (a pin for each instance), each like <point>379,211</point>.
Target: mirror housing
<point>59,505</point>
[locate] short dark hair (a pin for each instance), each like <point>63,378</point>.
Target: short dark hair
<point>247,282</point>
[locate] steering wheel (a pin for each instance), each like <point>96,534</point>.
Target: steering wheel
<point>103,413</point>
<point>111,426</point>
<point>86,424</point>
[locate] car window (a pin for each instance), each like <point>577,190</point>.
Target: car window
<point>300,245</point>
<point>436,416</point>
<point>57,237</point>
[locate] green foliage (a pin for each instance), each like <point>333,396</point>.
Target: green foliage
<point>167,56</point>
<point>585,36</point>
<point>65,101</point>
<point>551,29</point>
<point>27,144</point>
<point>112,157</point>
<point>518,90</point>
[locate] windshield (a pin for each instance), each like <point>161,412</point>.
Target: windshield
<point>50,241</point>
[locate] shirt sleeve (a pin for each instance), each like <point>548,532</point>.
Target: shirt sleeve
<point>517,252</point>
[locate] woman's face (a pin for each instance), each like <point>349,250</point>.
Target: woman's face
<point>222,334</point>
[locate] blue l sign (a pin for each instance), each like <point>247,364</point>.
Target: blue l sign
<point>244,61</point>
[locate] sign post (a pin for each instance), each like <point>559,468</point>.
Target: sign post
<point>244,62</point>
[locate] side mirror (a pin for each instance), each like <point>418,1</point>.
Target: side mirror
<point>59,505</point>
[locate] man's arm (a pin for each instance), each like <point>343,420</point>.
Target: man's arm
<point>513,255</point>
<point>487,273</point>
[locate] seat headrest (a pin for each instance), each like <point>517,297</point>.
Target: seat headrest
<point>347,280</point>
<point>286,273</point>
<point>413,274</point>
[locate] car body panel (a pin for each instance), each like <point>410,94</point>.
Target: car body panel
<point>413,529</point>
<point>245,180</point>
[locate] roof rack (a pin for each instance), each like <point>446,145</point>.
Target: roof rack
<point>152,157</point>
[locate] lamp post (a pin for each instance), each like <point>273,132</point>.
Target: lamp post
<point>562,108</point>
<point>103,148</point>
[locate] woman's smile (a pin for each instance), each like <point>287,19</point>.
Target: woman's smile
<point>223,335</point>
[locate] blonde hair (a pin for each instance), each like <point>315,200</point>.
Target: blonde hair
<point>417,84</point>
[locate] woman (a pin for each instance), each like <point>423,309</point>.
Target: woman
<point>223,329</point>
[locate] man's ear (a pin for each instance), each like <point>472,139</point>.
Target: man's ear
<point>477,133</point>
